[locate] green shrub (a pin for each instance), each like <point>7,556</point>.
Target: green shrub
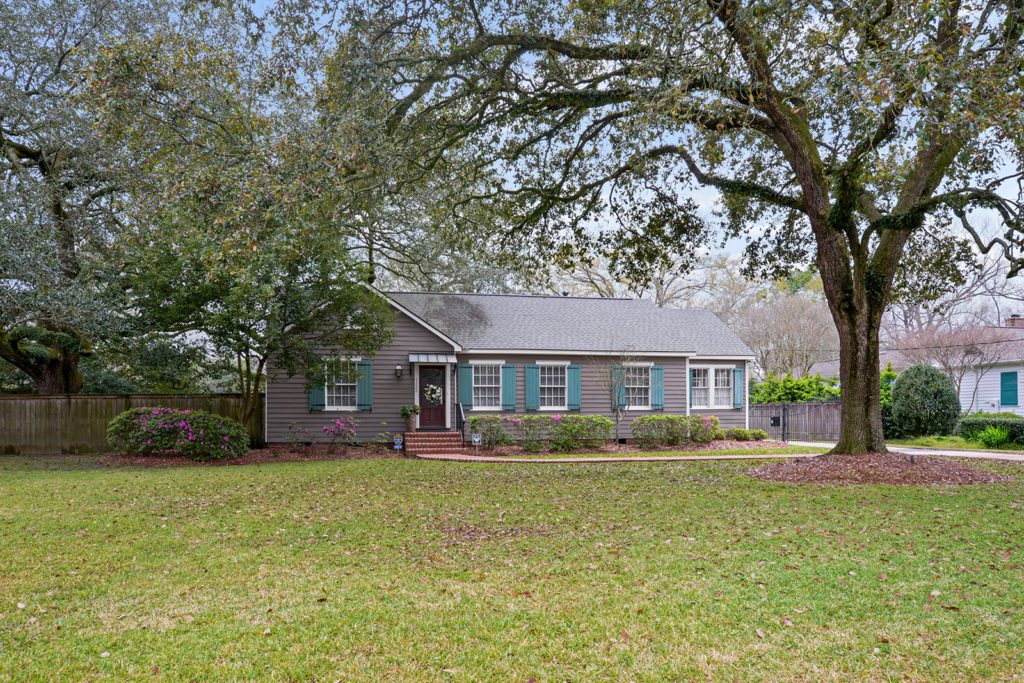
<point>661,430</point>
<point>971,428</point>
<point>1002,416</point>
<point>572,432</point>
<point>529,430</point>
<point>738,434</point>
<point>491,429</point>
<point>924,402</point>
<point>993,437</point>
<point>705,428</point>
<point>758,434</point>
<point>886,381</point>
<point>789,389</point>
<point>194,434</point>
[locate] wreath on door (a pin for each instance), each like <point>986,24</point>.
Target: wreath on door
<point>433,394</point>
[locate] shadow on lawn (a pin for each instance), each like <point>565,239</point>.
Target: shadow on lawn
<point>22,463</point>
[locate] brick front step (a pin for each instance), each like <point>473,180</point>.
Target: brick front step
<point>433,443</point>
<point>435,451</point>
<point>432,434</point>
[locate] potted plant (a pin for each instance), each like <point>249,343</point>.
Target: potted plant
<point>409,412</point>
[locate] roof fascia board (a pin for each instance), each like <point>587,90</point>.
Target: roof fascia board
<point>565,352</point>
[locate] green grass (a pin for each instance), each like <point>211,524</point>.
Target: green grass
<point>752,450</point>
<point>414,570</point>
<point>952,442</point>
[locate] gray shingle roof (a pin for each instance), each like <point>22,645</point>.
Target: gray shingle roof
<point>556,323</point>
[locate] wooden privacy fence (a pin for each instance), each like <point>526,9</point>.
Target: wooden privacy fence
<point>797,421</point>
<point>72,423</point>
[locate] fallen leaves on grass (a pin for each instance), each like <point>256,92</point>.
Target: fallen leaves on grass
<point>256,456</point>
<point>888,468</point>
<point>458,531</point>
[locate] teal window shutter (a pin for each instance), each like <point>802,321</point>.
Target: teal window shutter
<point>316,397</point>
<point>508,387</point>
<point>737,387</point>
<point>618,388</point>
<point>1008,388</point>
<point>657,387</point>
<point>532,387</point>
<point>465,380</point>
<point>364,385</point>
<point>574,387</point>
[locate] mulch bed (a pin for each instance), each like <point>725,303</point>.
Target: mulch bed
<point>633,448</point>
<point>281,453</point>
<point>891,468</point>
<point>255,456</point>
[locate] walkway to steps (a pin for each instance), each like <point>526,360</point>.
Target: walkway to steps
<point>465,457</point>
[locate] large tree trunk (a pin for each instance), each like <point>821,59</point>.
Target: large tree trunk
<point>54,373</point>
<point>58,377</point>
<point>861,430</point>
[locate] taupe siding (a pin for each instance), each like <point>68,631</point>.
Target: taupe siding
<point>288,398</point>
<point>595,396</point>
<point>288,403</point>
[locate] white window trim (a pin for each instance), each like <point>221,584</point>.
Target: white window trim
<point>565,394</point>
<point>711,386</point>
<point>689,393</point>
<point>341,409</point>
<point>501,385</point>
<point>650,388</point>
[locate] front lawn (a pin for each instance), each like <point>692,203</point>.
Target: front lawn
<point>952,442</point>
<point>414,570</point>
<point>752,450</point>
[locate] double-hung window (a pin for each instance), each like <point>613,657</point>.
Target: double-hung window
<point>552,387</point>
<point>699,392</point>
<point>711,387</point>
<point>723,387</point>
<point>487,386</point>
<point>340,386</point>
<point>638,386</point>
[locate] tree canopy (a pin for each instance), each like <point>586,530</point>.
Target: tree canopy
<point>833,131</point>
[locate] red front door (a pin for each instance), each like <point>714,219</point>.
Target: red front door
<point>432,397</point>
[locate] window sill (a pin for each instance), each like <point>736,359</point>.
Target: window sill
<point>487,409</point>
<point>715,408</point>
<point>340,409</point>
<point>551,409</point>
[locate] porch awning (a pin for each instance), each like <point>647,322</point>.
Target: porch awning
<point>431,358</point>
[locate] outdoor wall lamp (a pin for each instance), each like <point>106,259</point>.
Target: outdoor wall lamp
<point>398,370</point>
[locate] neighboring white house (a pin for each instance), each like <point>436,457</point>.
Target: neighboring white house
<point>995,386</point>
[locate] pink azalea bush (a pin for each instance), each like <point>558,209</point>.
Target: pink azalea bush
<point>529,430</point>
<point>559,432</point>
<point>491,429</point>
<point>340,430</point>
<point>195,434</point>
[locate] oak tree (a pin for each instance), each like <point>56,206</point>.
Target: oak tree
<point>831,130</point>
